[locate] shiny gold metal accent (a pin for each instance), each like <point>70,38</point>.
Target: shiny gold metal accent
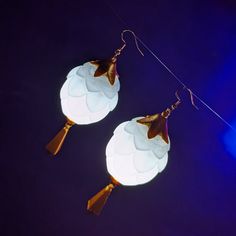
<point>157,123</point>
<point>56,143</point>
<point>97,202</point>
<point>108,67</point>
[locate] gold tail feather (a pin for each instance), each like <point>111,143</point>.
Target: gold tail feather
<point>97,202</point>
<point>56,143</point>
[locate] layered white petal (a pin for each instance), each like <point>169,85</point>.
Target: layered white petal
<point>96,102</point>
<point>65,88</point>
<point>120,128</point>
<point>113,102</point>
<point>124,144</point>
<point>92,84</point>
<point>99,115</point>
<point>76,87</point>
<point>85,70</point>
<point>141,143</point>
<point>87,99</point>
<point>73,72</point>
<point>69,108</point>
<point>144,161</point>
<point>162,162</point>
<point>145,177</point>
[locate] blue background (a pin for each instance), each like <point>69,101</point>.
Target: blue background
<point>41,41</point>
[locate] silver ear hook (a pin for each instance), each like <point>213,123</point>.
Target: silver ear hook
<point>191,97</point>
<point>177,96</point>
<point>118,51</point>
<point>190,94</point>
<point>135,39</point>
<point>168,111</point>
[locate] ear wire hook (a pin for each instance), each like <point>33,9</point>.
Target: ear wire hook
<point>190,94</point>
<point>191,97</point>
<point>168,111</point>
<point>119,50</point>
<point>176,104</point>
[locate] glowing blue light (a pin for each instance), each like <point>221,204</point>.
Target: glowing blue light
<point>230,141</point>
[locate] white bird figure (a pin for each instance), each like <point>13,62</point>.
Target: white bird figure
<point>135,154</point>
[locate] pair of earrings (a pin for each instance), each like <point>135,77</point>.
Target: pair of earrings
<point>138,149</point>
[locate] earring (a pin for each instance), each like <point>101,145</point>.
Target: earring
<point>89,93</point>
<point>136,153</point>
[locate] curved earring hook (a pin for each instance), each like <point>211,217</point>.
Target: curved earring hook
<point>179,99</point>
<point>168,111</point>
<point>190,94</point>
<point>135,39</point>
<point>118,51</point>
<point>177,96</point>
<point>191,97</point>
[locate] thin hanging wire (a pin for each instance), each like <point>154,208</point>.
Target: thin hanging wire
<point>192,94</point>
<point>185,86</point>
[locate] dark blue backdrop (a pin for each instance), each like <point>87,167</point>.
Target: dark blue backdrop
<point>42,41</point>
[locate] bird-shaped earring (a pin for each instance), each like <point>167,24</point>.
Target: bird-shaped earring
<point>89,93</point>
<point>136,153</point>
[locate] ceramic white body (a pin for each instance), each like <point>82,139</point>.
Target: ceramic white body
<point>131,157</point>
<point>86,99</point>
